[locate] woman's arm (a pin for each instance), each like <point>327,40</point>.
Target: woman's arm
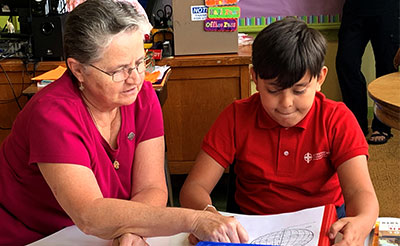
<point>148,181</point>
<point>78,193</point>
<point>362,206</point>
<point>202,178</point>
<point>148,175</point>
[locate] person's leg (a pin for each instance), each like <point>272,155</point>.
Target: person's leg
<point>385,43</point>
<point>353,38</point>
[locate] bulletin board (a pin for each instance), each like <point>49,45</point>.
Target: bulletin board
<point>259,13</point>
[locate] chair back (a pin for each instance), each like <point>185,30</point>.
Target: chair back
<point>231,205</point>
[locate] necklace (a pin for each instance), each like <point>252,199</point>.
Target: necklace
<point>115,162</point>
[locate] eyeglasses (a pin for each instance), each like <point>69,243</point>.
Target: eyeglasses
<point>124,73</point>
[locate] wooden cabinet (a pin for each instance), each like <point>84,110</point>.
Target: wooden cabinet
<point>15,76</point>
<point>199,88</point>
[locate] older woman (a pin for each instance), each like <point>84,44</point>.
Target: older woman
<point>89,148</point>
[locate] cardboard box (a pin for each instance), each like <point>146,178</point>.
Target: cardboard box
<point>189,35</point>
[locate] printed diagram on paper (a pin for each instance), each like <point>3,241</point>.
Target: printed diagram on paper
<point>292,229</point>
<point>300,236</point>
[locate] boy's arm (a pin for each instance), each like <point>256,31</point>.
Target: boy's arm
<point>202,178</point>
<point>362,207</point>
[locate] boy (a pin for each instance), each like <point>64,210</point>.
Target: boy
<point>290,144</point>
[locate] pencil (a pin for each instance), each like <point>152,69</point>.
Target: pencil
<point>375,239</point>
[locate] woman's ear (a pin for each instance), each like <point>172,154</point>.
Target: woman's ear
<point>76,68</point>
<point>321,77</point>
<point>253,76</point>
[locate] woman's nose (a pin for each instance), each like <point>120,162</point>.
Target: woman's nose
<point>133,77</point>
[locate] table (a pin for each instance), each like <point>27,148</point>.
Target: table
<point>385,91</point>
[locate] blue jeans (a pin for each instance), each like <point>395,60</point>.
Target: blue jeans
<point>341,211</point>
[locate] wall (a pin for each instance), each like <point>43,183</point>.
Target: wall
<point>256,8</point>
<point>3,20</point>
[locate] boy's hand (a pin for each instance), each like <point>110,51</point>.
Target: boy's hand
<point>353,229</point>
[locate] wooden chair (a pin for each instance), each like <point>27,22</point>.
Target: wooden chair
<point>231,205</point>
<point>396,60</point>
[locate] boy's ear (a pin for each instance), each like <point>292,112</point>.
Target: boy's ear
<point>76,68</point>
<point>253,76</point>
<point>321,77</point>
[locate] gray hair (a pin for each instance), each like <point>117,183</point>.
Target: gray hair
<point>90,27</point>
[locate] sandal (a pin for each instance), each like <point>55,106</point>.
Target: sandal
<point>384,137</point>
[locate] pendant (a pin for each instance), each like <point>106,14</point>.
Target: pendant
<point>131,135</point>
<point>116,165</point>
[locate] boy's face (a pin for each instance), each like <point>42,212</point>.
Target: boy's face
<point>289,106</point>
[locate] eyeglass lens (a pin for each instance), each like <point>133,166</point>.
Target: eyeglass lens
<point>123,74</point>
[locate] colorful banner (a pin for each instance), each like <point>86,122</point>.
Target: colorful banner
<point>266,20</point>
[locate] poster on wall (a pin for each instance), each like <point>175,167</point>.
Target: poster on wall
<point>263,12</point>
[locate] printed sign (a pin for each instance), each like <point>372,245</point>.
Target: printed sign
<point>220,2</point>
<point>224,12</point>
<point>220,25</point>
<point>198,13</point>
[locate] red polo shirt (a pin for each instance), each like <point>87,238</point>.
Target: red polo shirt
<point>285,169</point>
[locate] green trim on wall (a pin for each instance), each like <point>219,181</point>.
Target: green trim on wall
<point>329,30</point>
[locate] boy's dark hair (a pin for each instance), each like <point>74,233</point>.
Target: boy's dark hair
<point>286,49</point>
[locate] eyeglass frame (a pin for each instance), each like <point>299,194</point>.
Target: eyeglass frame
<point>128,70</point>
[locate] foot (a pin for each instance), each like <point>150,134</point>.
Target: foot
<point>378,137</point>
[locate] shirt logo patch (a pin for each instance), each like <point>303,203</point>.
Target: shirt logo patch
<point>308,157</point>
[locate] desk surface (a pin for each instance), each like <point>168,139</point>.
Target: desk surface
<point>385,91</point>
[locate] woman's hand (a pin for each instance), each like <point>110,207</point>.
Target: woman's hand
<point>129,239</point>
<point>354,231</point>
<point>214,227</point>
<point>193,240</point>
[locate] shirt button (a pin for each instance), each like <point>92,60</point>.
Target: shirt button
<point>286,153</point>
